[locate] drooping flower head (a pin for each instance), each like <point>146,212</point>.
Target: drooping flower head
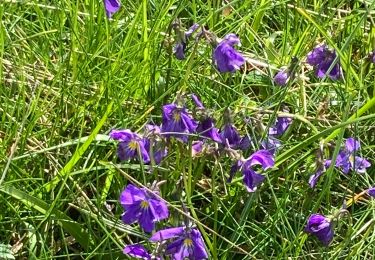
<point>177,122</point>
<point>142,206</point>
<point>153,144</point>
<point>252,179</point>
<point>207,129</point>
<point>182,39</point>
<point>131,144</point>
<point>281,78</point>
<point>348,160</point>
<point>314,178</point>
<point>197,101</point>
<point>137,251</point>
<point>187,243</point>
<point>321,227</point>
<point>321,57</point>
<point>230,136</point>
<point>281,125</point>
<point>111,7</point>
<point>226,58</point>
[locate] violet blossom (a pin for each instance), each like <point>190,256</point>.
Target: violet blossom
<point>252,178</point>
<point>281,125</point>
<point>281,78</point>
<point>111,7</point>
<point>225,57</point>
<point>143,207</point>
<point>207,129</point>
<point>347,159</point>
<point>182,40</point>
<point>137,251</point>
<point>371,192</point>
<point>321,227</point>
<point>177,122</point>
<point>130,146</point>
<point>153,144</point>
<point>314,178</point>
<point>186,243</point>
<point>321,58</point>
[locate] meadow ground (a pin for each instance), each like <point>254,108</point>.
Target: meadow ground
<point>69,75</point>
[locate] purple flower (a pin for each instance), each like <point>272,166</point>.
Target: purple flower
<point>322,58</point>
<point>371,192</point>
<point>281,125</point>
<point>229,135</point>
<point>197,148</point>
<point>271,144</point>
<point>347,159</point>
<point>182,40</point>
<point>225,57</point>
<point>321,227</point>
<point>142,206</point>
<point>130,144</point>
<point>137,251</point>
<point>197,101</point>
<point>207,129</point>
<point>111,7</point>
<point>313,180</point>
<point>187,243</point>
<point>177,120</point>
<point>281,78</point>
<point>252,179</point>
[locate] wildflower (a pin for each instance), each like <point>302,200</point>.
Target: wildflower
<point>313,180</point>
<point>207,129</point>
<point>197,101</point>
<point>321,227</point>
<point>153,144</point>
<point>371,192</point>
<point>230,136</point>
<point>197,148</point>
<point>225,57</point>
<point>281,125</point>
<point>347,160</point>
<point>252,179</point>
<point>187,243</point>
<point>137,251</point>
<point>176,121</point>
<point>281,78</point>
<point>182,40</point>
<point>142,206</point>
<point>322,58</point>
<point>129,146</point>
<point>271,144</point>
<point>111,7</point>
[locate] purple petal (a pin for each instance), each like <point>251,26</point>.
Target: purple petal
<point>360,164</point>
<point>321,227</point>
<point>281,78</point>
<point>199,251</point>
<point>167,234</point>
<point>196,101</point>
<point>146,220</point>
<point>314,178</point>
<point>191,30</point>
<point>111,7</point>
<point>226,58</point>
<point>207,129</point>
<point>158,209</point>
<point>371,192</point>
<point>179,50</point>
<point>197,148</point>
<point>317,55</point>
<point>230,135</point>
<point>131,195</point>
<point>252,179</point>
<point>137,251</point>
<point>352,145</point>
<point>122,135</point>
<point>131,214</point>
<point>262,157</point>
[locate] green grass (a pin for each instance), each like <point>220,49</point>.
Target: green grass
<point>69,76</point>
